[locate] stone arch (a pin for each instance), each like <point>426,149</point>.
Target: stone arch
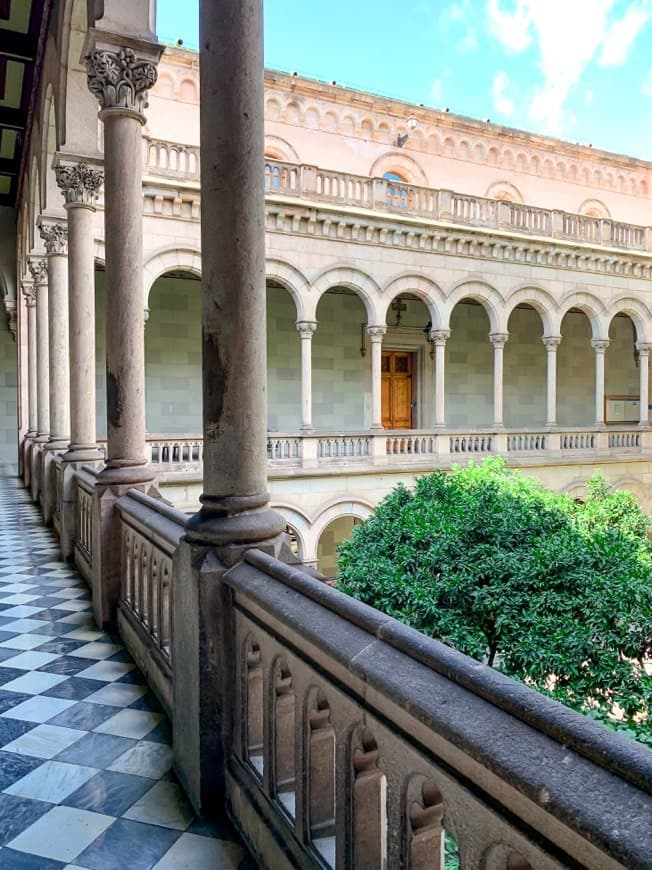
<point>34,202</point>
<point>427,291</point>
<point>543,303</point>
<point>273,108</point>
<point>299,521</point>
<point>188,90</point>
<point>594,208</point>
<point>591,306</point>
<point>504,190</point>
<point>50,194</point>
<point>485,294</point>
<point>637,311</point>
<point>403,165</point>
<point>295,283</point>
<point>635,487</point>
<point>340,506</point>
<point>280,149</point>
<point>362,284</point>
<point>169,260</point>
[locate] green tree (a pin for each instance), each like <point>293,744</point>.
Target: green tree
<point>552,592</point>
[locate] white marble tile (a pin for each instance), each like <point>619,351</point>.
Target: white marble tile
<point>97,651</point>
<point>70,592</point>
<point>25,625</point>
<point>61,834</point>
<point>17,587</point>
<point>18,598</point>
<point>38,709</point>
<point>164,804</point>
<point>192,852</point>
<point>73,605</point>
<point>34,683</point>
<point>25,641</point>
<point>130,723</point>
<point>44,741</point>
<point>106,671</point>
<point>117,694</point>
<point>29,661</point>
<point>145,759</point>
<point>79,619</point>
<point>87,634</point>
<point>20,611</point>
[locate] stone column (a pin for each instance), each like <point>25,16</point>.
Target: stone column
<point>376,334</point>
<point>120,80</point>
<point>498,339</point>
<point>306,328</point>
<point>551,343</point>
<point>55,237</point>
<point>643,349</point>
<point>30,302</point>
<point>80,184</point>
<point>600,346</point>
<point>439,337</point>
<point>38,268</point>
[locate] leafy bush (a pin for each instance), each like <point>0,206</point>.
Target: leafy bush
<point>552,592</point>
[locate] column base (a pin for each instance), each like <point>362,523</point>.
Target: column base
<point>84,453</point>
<point>123,475</point>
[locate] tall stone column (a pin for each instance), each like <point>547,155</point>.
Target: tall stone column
<point>306,328</point>
<point>551,343</point>
<point>643,349</point>
<point>600,346</point>
<point>32,419</point>
<point>439,337</point>
<point>120,80</point>
<point>499,340</point>
<point>55,237</point>
<point>376,334</point>
<point>80,184</point>
<point>38,268</point>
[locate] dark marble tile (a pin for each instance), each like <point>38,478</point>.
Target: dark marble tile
<point>68,665</point>
<point>12,860</point>
<point>128,844</point>
<point>6,635</point>
<point>109,792</point>
<point>122,656</point>
<point>7,652</point>
<point>17,813</point>
<point>14,767</point>
<point>134,676</point>
<point>10,729</point>
<point>74,689</point>
<point>84,716</point>
<point>11,699</point>
<point>148,702</point>
<point>219,829</point>
<point>55,629</point>
<point>44,601</point>
<point>5,620</point>
<point>61,646</point>
<point>162,733</point>
<point>8,674</point>
<point>96,750</point>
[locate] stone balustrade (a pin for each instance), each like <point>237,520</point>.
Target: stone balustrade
<point>149,534</point>
<point>83,546</point>
<point>181,163</point>
<point>174,450</point>
<point>358,742</point>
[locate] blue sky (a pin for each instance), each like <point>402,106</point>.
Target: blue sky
<point>577,69</point>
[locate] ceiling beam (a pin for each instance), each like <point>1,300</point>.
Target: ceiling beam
<point>17,46</point>
<point>12,119</point>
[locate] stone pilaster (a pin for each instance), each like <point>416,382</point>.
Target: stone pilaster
<point>439,337</point>
<point>376,334</point>
<point>306,329</point>
<point>499,340</point>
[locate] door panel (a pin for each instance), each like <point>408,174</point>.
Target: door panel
<point>397,389</point>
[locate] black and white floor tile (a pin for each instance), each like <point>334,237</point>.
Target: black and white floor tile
<point>85,749</point>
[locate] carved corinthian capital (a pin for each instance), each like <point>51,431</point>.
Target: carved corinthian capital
<point>29,294</point>
<point>79,183</point>
<point>38,266</point>
<point>55,237</point>
<point>120,80</point>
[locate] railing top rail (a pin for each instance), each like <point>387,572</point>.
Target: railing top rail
<point>154,517</point>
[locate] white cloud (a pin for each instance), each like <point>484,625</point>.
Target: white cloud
<point>435,92</point>
<point>502,103</point>
<point>469,41</point>
<point>622,34</point>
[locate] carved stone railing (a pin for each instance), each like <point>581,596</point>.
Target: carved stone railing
<point>174,449</point>
<point>623,440</point>
<point>527,442</point>
<point>83,546</point>
<point>150,530</point>
<point>357,742</point>
<point>181,163</point>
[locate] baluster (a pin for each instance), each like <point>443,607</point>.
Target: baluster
<point>321,780</point>
<point>369,807</point>
<point>284,738</point>
<point>253,714</point>
<point>427,840</point>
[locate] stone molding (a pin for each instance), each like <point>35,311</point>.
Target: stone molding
<point>643,347</point>
<point>499,339</point>
<point>79,183</point>
<point>38,267</point>
<point>551,342</point>
<point>439,337</point>
<point>599,345</point>
<point>376,333</point>
<point>120,80</point>
<point>306,328</point>
<point>55,237</point>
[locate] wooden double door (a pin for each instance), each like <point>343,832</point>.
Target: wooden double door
<point>397,374</point>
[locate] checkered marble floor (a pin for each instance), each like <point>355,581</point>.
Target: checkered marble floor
<point>85,755</point>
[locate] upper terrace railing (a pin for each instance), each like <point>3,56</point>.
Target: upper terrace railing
<point>181,162</point>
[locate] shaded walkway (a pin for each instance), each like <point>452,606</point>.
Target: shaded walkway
<point>85,750</point>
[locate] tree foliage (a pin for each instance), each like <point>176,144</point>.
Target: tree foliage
<point>552,592</point>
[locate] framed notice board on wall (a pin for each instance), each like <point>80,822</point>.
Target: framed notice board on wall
<point>621,409</point>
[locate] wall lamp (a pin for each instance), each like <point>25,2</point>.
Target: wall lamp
<point>402,138</point>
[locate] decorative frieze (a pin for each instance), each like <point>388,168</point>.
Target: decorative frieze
<point>55,238</point>
<point>79,183</point>
<point>120,80</point>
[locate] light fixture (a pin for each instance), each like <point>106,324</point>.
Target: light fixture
<point>402,138</point>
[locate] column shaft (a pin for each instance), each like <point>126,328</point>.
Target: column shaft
<point>31,364</point>
<point>498,339</point>
<point>644,374</point>
<point>439,337</point>
<point>58,349</point>
<point>306,329</point>
<point>552,343</point>
<point>42,360</point>
<point>600,346</point>
<point>376,334</point>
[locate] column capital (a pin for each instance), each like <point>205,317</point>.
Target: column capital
<point>306,328</point>
<point>599,345</point>
<point>10,308</point>
<point>55,237</point>
<point>439,337</point>
<point>38,266</point>
<point>79,183</point>
<point>551,342</point>
<point>120,80</point>
<point>376,333</point>
<point>29,293</point>
<point>643,347</point>
<point>499,339</point>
